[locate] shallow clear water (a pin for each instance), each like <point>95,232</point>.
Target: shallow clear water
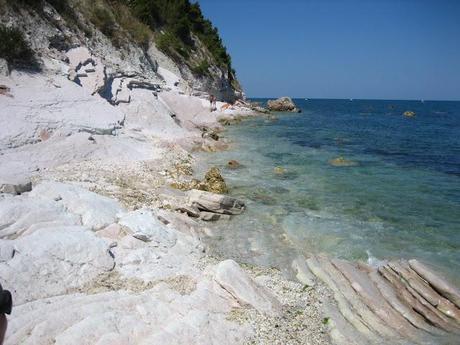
<point>400,199</point>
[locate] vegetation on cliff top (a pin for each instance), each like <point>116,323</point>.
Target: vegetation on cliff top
<point>178,20</point>
<point>178,27</point>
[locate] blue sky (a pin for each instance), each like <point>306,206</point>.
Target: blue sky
<point>342,49</point>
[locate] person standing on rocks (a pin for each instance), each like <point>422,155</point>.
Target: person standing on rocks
<point>6,303</point>
<point>212,101</point>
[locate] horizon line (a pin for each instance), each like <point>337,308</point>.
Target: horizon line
<point>363,99</point>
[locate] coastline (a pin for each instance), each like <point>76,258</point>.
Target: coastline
<point>104,224</point>
<point>350,282</point>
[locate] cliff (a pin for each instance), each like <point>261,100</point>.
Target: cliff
<point>136,38</point>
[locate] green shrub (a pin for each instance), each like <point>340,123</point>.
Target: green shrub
<point>169,44</point>
<point>104,21</point>
<point>202,69</point>
<point>138,31</point>
<point>15,49</point>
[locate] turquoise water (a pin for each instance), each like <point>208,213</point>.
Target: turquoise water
<point>400,196</point>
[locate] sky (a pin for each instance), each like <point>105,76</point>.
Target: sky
<point>374,49</point>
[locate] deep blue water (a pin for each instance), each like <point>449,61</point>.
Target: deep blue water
<point>400,197</point>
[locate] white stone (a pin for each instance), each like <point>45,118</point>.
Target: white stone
<point>96,211</point>
<point>145,225</point>
<point>54,261</point>
<point>235,281</point>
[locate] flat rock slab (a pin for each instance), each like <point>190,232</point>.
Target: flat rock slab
<point>56,260</point>
<point>215,203</point>
<point>230,276</point>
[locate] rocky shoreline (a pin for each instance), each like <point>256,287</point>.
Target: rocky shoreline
<point>120,243</point>
<point>102,223</point>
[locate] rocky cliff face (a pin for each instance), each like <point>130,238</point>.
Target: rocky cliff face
<point>126,47</point>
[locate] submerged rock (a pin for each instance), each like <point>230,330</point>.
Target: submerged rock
<point>342,162</point>
<point>233,164</point>
<point>409,113</point>
<point>283,104</point>
<point>279,170</point>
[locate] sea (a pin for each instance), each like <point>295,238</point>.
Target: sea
<point>353,179</point>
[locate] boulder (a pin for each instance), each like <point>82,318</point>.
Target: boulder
<point>231,277</point>
<point>214,182</point>
<point>215,203</point>
<point>15,185</point>
<point>283,104</point>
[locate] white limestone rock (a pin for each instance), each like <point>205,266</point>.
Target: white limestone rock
<point>54,261</point>
<point>22,215</point>
<point>15,184</point>
<point>303,273</point>
<point>44,106</point>
<point>86,69</point>
<point>235,281</point>
<point>96,211</point>
<point>145,226</point>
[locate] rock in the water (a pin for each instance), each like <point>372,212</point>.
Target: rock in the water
<point>215,203</point>
<point>283,104</point>
<point>214,182</point>
<point>409,113</point>
<point>15,185</point>
<point>342,162</point>
<point>246,291</point>
<point>279,170</point>
<point>233,164</point>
